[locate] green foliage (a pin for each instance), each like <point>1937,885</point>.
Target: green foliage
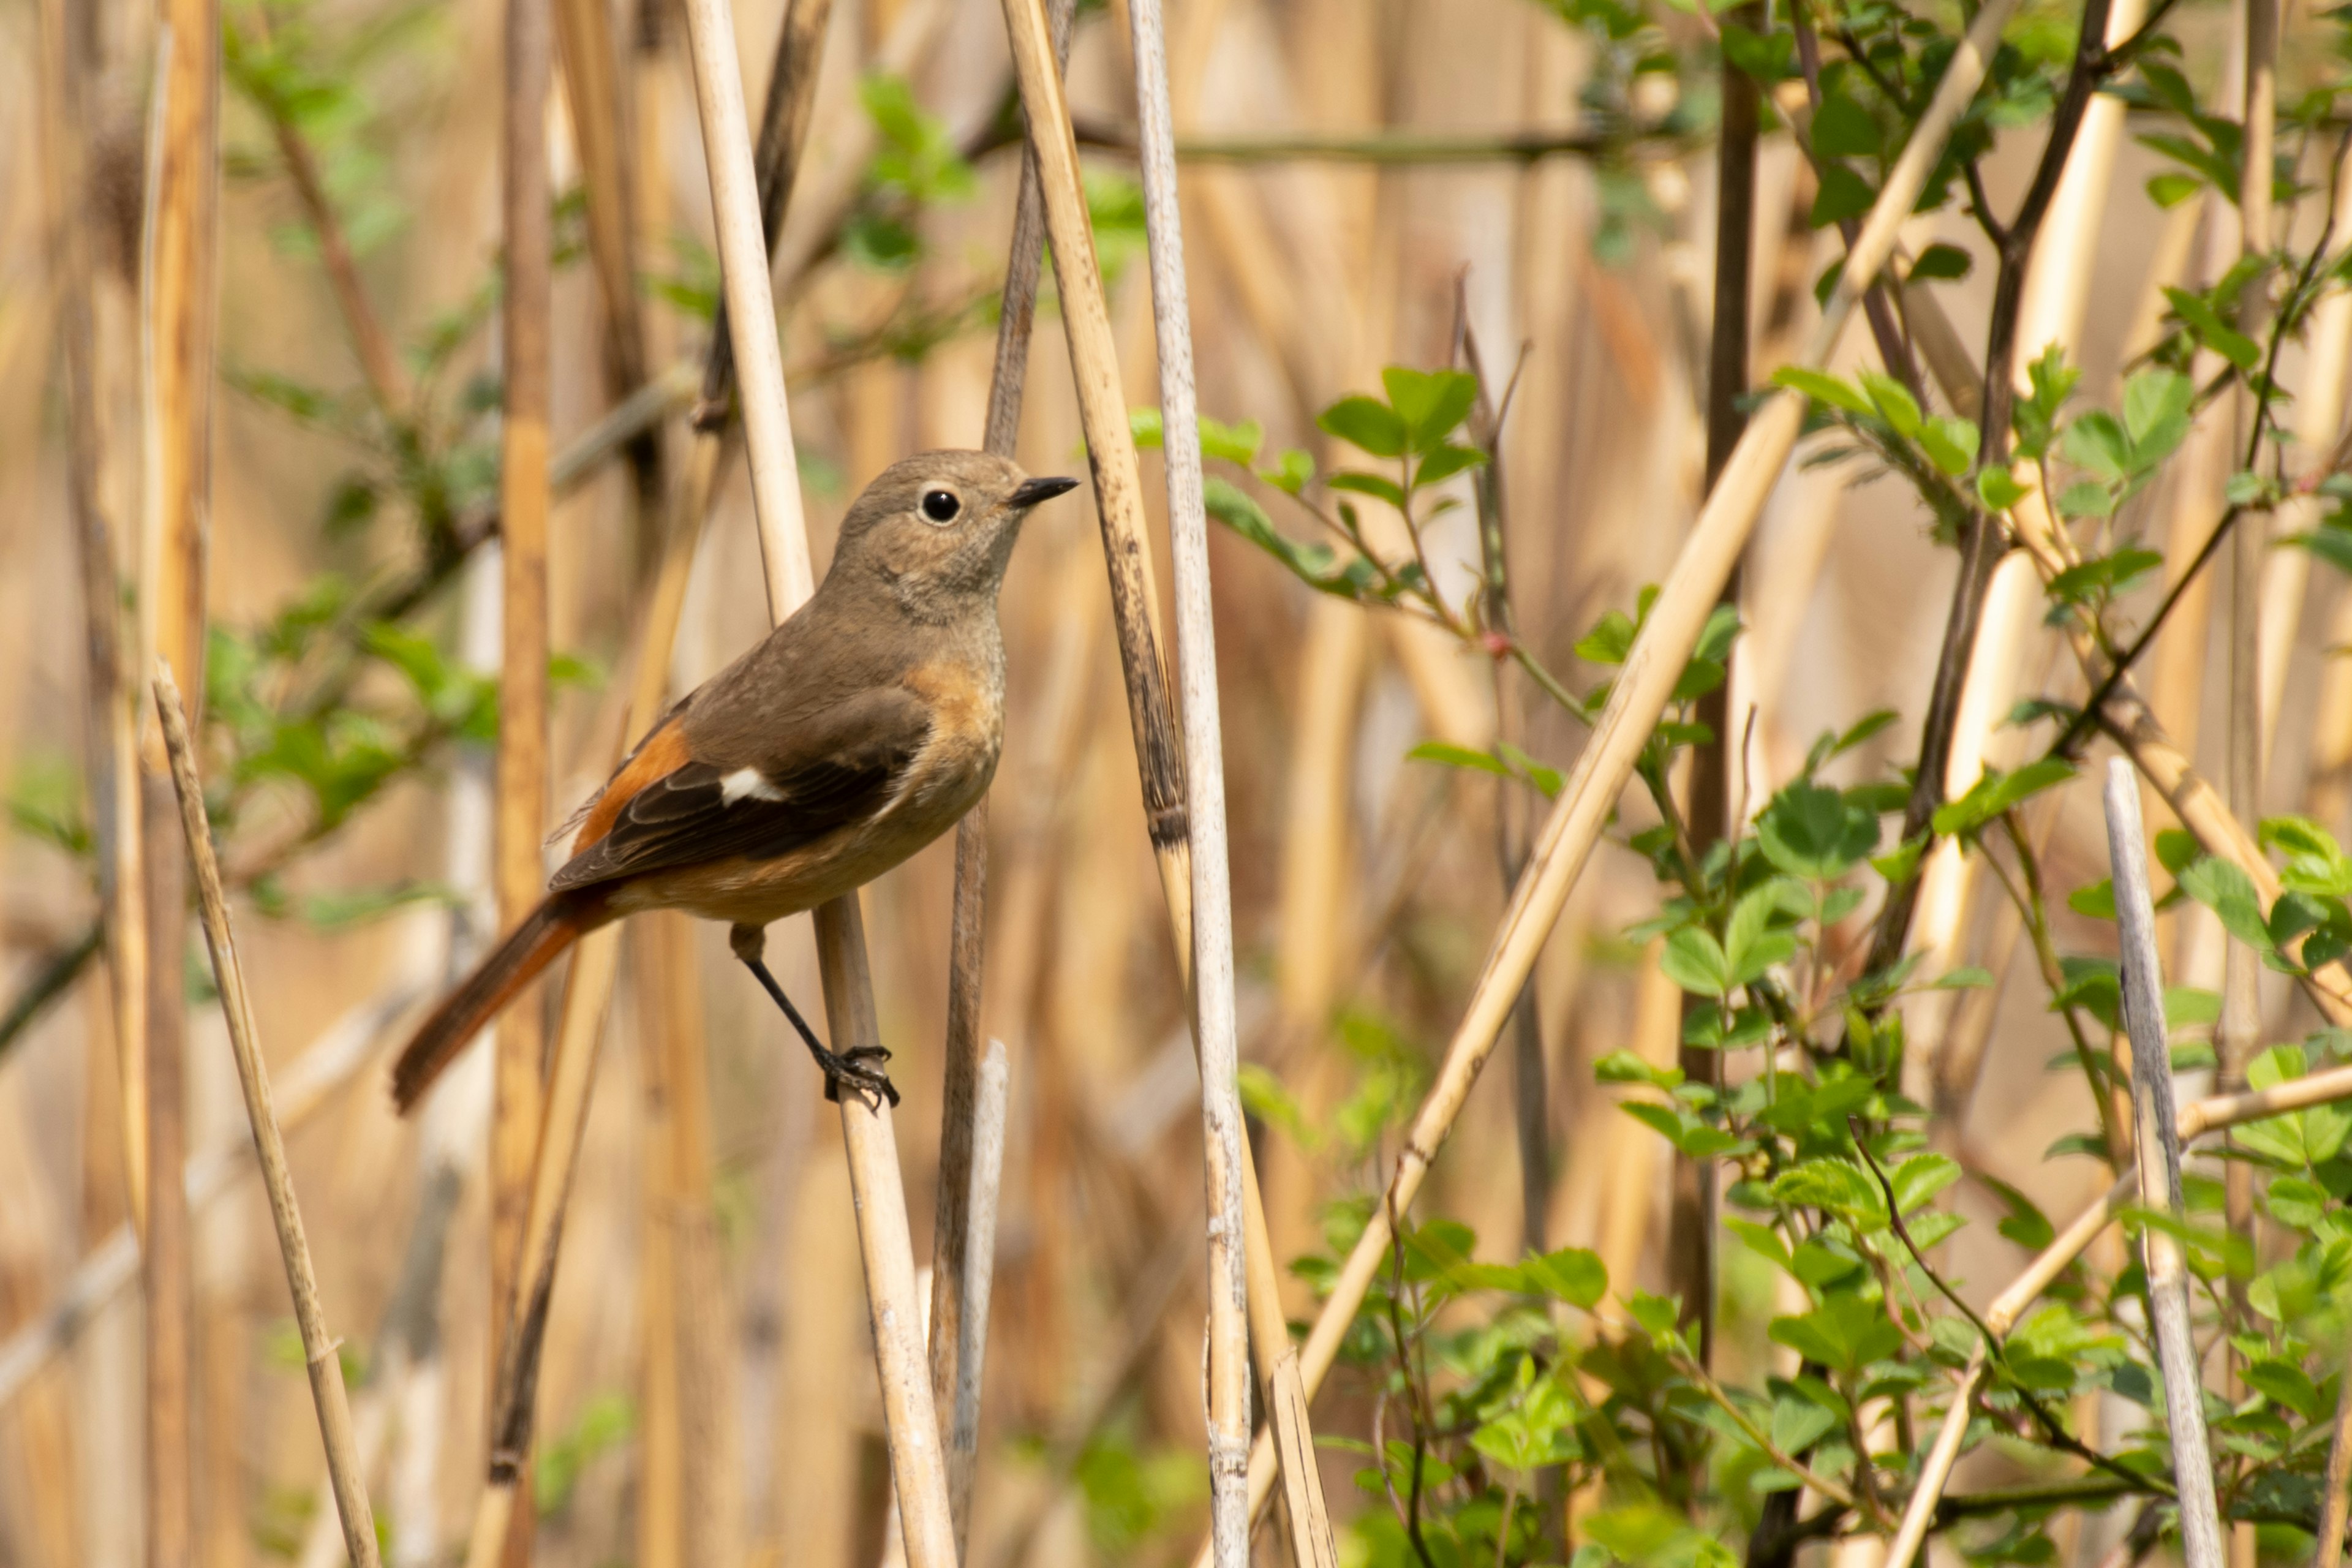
<point>916,166</point>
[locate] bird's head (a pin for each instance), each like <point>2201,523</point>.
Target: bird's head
<point>936,530</point>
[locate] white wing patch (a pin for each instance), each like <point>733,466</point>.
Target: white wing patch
<point>751,782</point>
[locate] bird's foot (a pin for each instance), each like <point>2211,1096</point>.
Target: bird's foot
<point>869,1083</point>
<point>851,1068</point>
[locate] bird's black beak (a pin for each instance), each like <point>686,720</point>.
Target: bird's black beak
<point>1032,491</point>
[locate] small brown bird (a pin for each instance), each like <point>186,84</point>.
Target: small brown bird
<point>859,732</point>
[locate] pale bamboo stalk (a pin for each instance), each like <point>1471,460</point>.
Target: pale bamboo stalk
<point>109,738</point>
<point>593,88</point>
<point>318,1351</point>
<point>2318,414</point>
<point>2158,1144</point>
<point>2239,1035</point>
<point>106,1270</point>
<point>989,1108</point>
<point>910,1419</point>
<point>177,330</point>
<point>959,1316</point>
<point>661,1456</point>
<point>2336,1493</point>
<point>1212,934</point>
<point>1589,796</point>
<point>520,1095</point>
<point>588,987</point>
<point>1117,487</point>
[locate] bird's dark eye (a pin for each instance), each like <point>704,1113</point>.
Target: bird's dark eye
<point>940,506</point>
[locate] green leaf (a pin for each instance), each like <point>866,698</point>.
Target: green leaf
<point>2097,902</point>
<point>1431,403</point>
<point>1609,641</point>
<point>1895,404</point>
<point>1290,471</point>
<point>1455,756</point>
<point>1844,129</point>
<point>2206,323</point>
<point>2170,189</point>
<point>1234,443</point>
<point>1372,485</point>
<point>1846,1334</point>
<point>1950,443</point>
<point>1813,833</point>
<point>1572,1275</point>
<point>2157,404</point>
<point>1366,423</point>
<point>2096,443</point>
<point>1749,945</point>
<point>1822,387</point>
<point>1766,59</point>
<point>1999,489</point>
<point>1938,261</point>
<point>1843,194</point>
<point>1996,792</point>
<point>1444,462</point>
<point>1695,961</point>
<point>2230,893</point>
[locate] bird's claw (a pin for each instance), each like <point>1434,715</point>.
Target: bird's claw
<point>870,1084</point>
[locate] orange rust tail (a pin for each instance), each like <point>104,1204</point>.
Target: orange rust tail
<point>530,947</point>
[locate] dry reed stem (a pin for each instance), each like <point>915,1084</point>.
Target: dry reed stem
<point>588,988</point>
<point>2159,1146</point>
<point>519,1102</point>
<point>1211,933</point>
<point>180,306</point>
<point>910,1420</point>
<point>1117,487</point>
<point>962,1257</point>
<point>319,1350</point>
<point>2318,414</point>
<point>109,732</point>
<point>1655,663</point>
<point>2238,1036</point>
<point>599,118</point>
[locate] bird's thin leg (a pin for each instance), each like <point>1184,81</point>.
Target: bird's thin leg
<point>851,1066</point>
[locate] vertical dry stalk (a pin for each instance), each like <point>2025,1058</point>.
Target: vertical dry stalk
<point>2159,1144</point>
<point>183,243</point>
<point>592,86</point>
<point>588,988</point>
<point>318,1353</point>
<point>1211,933</point>
<point>910,1419</point>
<point>961,1249</point>
<point>520,814</point>
<point>2239,1036</point>
<point>109,738</point>
<point>1589,796</point>
<point>1117,489</point>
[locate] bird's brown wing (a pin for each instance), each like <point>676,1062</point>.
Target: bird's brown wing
<point>835,769</point>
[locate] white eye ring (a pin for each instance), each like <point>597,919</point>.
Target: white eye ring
<point>941,506</point>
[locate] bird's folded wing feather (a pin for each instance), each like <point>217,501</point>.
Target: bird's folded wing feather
<point>836,769</point>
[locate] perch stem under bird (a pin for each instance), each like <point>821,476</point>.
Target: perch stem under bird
<point>857,732</point>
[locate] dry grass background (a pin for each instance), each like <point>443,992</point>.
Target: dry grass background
<point>1364,884</point>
